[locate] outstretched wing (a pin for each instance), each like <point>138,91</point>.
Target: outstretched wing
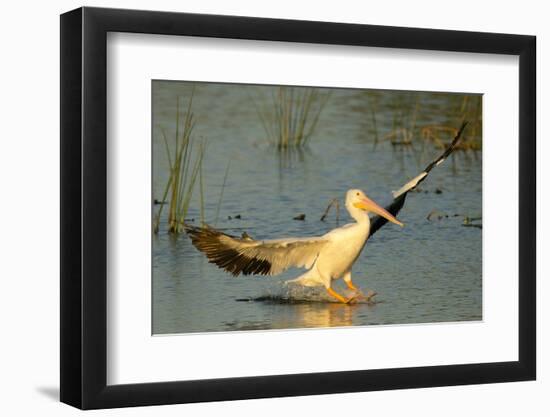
<point>399,196</point>
<point>249,256</point>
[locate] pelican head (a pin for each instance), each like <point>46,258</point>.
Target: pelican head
<point>358,199</point>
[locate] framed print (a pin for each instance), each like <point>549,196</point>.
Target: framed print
<point>256,208</point>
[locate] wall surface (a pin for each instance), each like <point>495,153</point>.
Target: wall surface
<point>29,169</point>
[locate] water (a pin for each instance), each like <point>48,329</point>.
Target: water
<point>428,271</point>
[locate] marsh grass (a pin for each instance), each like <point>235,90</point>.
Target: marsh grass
<point>290,118</point>
<point>469,109</point>
<point>185,167</point>
<point>410,121</point>
<point>405,114</point>
<point>373,108</point>
<point>218,208</point>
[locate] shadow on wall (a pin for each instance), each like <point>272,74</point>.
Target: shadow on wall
<point>50,392</point>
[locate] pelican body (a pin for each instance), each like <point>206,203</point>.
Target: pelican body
<point>327,258</point>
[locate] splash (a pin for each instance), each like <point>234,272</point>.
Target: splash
<point>289,293</point>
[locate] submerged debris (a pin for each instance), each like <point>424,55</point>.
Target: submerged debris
<point>471,222</point>
<point>334,202</point>
<point>422,190</point>
<point>436,215</point>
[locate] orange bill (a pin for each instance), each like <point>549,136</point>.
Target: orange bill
<point>368,205</point>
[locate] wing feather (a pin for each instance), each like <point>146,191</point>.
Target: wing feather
<point>399,196</point>
<point>248,256</point>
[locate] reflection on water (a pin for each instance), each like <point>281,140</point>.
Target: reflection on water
<point>301,315</point>
<point>428,271</point>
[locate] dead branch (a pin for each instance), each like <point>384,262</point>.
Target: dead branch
<point>334,202</point>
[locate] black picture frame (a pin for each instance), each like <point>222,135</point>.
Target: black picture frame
<point>84,207</point>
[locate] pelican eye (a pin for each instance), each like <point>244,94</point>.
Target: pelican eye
<point>357,193</point>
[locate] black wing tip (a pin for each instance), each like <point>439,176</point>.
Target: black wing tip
<point>447,151</point>
<point>459,134</point>
<point>207,240</point>
<point>397,204</point>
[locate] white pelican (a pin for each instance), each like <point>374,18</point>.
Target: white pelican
<point>327,258</point>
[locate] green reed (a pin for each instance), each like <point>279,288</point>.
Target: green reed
<point>291,117</point>
<point>221,193</point>
<point>185,167</point>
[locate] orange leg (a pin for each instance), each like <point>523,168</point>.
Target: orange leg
<point>351,286</point>
<point>338,296</point>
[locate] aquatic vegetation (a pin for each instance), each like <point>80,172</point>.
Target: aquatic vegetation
<point>291,117</point>
<point>412,119</point>
<point>221,194</point>
<point>405,112</point>
<point>185,165</point>
<point>469,109</point>
<point>441,135</point>
<point>373,108</point>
